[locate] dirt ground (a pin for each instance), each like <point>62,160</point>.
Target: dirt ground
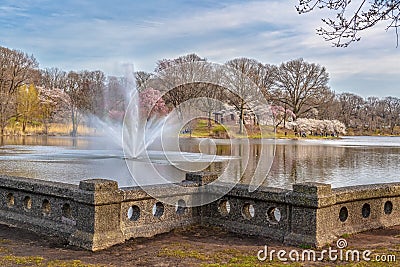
<point>194,246</point>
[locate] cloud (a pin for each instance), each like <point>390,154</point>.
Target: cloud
<point>82,35</point>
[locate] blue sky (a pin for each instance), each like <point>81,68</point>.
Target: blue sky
<point>82,34</point>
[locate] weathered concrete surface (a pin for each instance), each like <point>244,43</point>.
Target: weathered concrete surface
<point>310,214</point>
<point>97,214</point>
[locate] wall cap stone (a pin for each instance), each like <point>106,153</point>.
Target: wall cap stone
<point>98,185</point>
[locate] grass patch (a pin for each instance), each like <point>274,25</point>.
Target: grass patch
<point>346,235</point>
<point>11,260</point>
<point>5,241</point>
<point>73,263</point>
<point>31,261</point>
<point>211,257</point>
<point>54,129</point>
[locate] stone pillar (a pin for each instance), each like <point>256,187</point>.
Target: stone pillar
<point>98,215</point>
<point>201,178</point>
<point>310,212</point>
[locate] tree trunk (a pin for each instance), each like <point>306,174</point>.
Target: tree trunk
<point>284,117</point>
<point>74,123</point>
<point>241,118</point>
<point>209,121</point>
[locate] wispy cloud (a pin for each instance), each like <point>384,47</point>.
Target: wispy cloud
<point>82,34</point>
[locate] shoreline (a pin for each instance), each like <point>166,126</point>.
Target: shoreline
<point>289,137</point>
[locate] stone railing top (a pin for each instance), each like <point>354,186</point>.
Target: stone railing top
<point>360,192</point>
<point>102,191</point>
<point>39,186</point>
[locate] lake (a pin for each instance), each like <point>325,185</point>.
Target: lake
<point>340,162</point>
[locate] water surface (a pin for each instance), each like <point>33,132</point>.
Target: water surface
<point>341,162</point>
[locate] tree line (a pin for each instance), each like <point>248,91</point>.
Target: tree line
<point>298,89</point>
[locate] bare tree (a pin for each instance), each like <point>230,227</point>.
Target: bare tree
<point>350,109</point>
<point>52,78</point>
<point>16,68</point>
<point>116,96</point>
<point>375,112</point>
<point>85,90</point>
<point>210,97</point>
<point>142,80</point>
<point>344,29</point>
<point>392,108</point>
<point>246,81</point>
<point>73,89</point>
<point>94,83</point>
<point>301,86</point>
<point>267,79</point>
<point>177,78</point>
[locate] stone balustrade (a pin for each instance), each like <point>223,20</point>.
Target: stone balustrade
<point>97,214</point>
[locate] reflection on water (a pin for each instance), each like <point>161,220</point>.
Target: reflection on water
<point>347,161</point>
<point>83,142</point>
<point>343,162</point>
<point>71,160</point>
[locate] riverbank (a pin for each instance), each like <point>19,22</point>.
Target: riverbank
<point>194,246</point>
<point>201,130</point>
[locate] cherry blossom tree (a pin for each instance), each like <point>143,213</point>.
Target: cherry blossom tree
<point>52,102</point>
<point>151,103</point>
<point>321,127</point>
<point>281,114</point>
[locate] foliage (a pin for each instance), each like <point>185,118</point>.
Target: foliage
<point>16,69</point>
<point>28,107</point>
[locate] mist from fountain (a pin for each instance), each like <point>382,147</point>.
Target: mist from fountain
<point>150,143</point>
<point>135,133</point>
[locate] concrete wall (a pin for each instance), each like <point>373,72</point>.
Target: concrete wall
<point>97,214</point>
<point>310,214</point>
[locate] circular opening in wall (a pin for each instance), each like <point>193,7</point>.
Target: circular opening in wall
<point>180,207</point>
<point>366,210</point>
<point>134,213</point>
<point>66,211</point>
<point>46,207</point>
<point>158,209</point>
<point>343,214</point>
<point>10,200</point>
<point>274,215</point>
<point>388,207</point>
<point>224,207</point>
<point>27,203</point>
<point>248,211</point>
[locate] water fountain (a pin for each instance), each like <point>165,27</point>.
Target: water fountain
<point>150,143</point>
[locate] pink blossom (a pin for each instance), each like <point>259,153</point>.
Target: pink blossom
<point>151,103</point>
